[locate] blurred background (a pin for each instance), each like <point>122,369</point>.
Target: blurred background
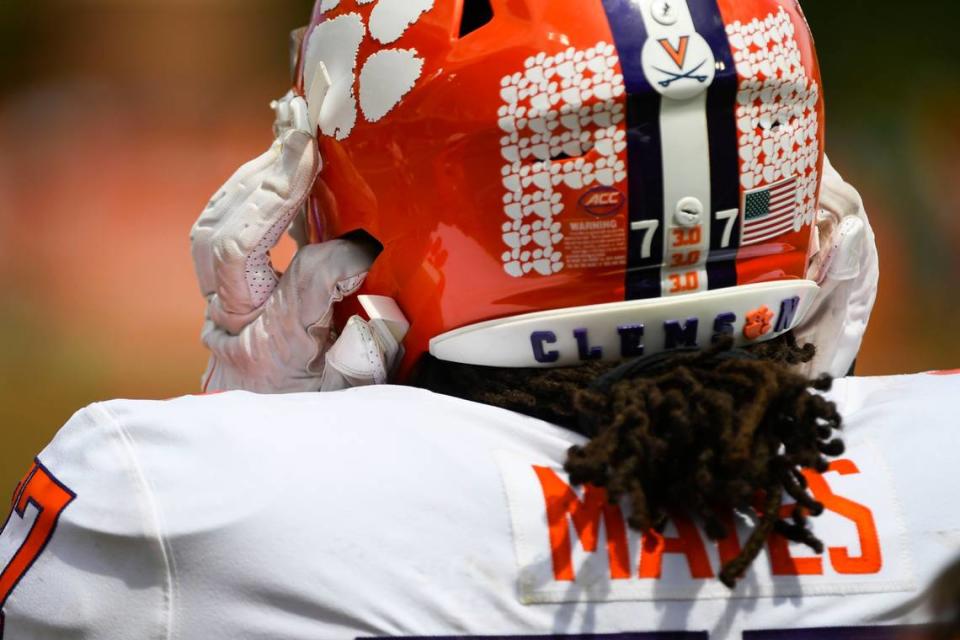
<point>120,118</point>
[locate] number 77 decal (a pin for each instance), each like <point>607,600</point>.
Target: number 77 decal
<point>49,497</point>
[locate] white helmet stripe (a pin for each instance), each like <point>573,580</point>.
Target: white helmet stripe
<point>680,65</point>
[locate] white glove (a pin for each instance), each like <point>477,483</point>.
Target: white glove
<point>266,333</point>
<point>846,268</point>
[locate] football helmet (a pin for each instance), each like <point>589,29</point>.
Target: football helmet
<point>559,181</point>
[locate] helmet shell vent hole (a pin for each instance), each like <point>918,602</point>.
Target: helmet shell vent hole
<point>363,238</point>
<point>476,14</point>
<point>563,155</point>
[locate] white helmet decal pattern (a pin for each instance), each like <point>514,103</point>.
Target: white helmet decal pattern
<point>776,117</point>
<point>546,115</point>
<point>391,18</point>
<point>384,78</point>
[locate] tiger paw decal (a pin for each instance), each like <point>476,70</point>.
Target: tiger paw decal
<point>369,88</point>
<point>776,120</point>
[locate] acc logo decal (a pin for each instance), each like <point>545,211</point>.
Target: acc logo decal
<point>602,202</point>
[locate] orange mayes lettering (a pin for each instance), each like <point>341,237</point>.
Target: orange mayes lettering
<point>591,506</point>
<point>870,560</point>
<point>563,503</point>
<point>688,542</point>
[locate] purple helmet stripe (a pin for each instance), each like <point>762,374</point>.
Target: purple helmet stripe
<point>644,157</point>
<point>724,161</point>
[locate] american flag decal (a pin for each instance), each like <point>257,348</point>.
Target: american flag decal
<point>769,212</point>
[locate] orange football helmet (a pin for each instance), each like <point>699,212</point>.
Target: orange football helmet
<point>555,181</point>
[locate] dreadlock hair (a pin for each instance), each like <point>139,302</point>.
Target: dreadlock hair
<point>697,431</point>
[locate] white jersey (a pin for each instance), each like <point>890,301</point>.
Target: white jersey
<point>393,512</point>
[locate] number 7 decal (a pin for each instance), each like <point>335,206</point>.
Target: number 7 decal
<point>729,216</point>
<point>649,229</point>
<point>49,497</point>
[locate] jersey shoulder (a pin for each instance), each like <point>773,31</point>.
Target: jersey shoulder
<point>902,393</point>
<point>145,494</point>
<point>82,527</point>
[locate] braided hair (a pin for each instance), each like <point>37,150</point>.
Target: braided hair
<point>696,431</point>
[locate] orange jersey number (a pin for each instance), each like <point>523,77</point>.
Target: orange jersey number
<point>49,497</point>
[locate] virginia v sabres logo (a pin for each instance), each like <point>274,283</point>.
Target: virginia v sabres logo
<point>679,56</point>
<point>679,67</point>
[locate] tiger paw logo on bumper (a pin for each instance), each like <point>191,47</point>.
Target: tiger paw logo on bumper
<point>369,88</point>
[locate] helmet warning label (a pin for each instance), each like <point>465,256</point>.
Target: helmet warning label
<point>596,243</point>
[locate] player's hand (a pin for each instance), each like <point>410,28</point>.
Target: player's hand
<point>846,268</point>
<point>268,333</point>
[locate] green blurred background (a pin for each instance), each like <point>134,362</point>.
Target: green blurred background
<point>119,118</point>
